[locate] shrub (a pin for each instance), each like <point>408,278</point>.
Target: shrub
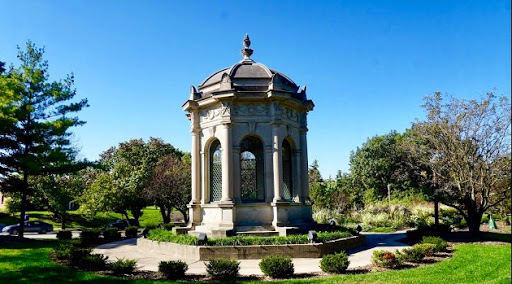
<point>440,244</point>
<point>77,255</point>
<point>64,250</point>
<point>485,219</point>
<point>131,231</point>
<point>427,249</point>
<point>335,263</point>
<point>173,269</point>
<point>93,262</point>
<point>386,259</point>
<point>382,230</point>
<point>89,237</point>
<point>413,254</point>
<point>168,226</point>
<point>123,266</point>
<point>222,268</point>
<point>277,266</point>
<point>111,234</point>
<point>64,235</point>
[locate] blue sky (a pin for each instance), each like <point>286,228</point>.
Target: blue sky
<point>367,64</point>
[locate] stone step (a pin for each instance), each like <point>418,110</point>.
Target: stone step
<point>258,233</point>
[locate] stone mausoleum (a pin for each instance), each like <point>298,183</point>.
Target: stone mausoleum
<point>249,152</point>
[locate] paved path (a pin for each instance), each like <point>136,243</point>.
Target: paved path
<point>49,235</point>
<point>149,261</point>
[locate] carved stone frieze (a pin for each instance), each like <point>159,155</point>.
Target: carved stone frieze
<point>251,110</point>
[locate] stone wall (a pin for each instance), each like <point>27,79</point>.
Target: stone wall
<point>315,250</point>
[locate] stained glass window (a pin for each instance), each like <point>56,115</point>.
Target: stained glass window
<point>215,171</point>
<point>251,170</point>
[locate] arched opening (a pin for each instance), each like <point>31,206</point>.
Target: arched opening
<point>251,170</point>
<point>287,170</point>
<point>215,171</point>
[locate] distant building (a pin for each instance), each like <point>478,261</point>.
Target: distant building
<point>249,151</point>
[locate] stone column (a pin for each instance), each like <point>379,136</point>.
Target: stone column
<point>269,173</point>
<point>277,163</point>
<point>227,165</point>
<point>297,172</point>
<point>196,170</point>
<point>304,163</point>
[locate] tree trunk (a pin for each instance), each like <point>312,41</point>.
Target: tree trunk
<point>185,216</point>
<point>24,189</point>
<point>165,214</point>
<point>473,221</point>
<point>63,220</point>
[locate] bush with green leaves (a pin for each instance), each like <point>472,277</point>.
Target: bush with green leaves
<point>64,250</point>
<point>131,232</point>
<point>162,235</point>
<point>413,254</point>
<point>123,266</point>
<point>93,262</point>
<point>111,234</point>
<point>426,249</point>
<point>90,237</point>
<point>385,259</point>
<point>335,263</point>
<point>168,226</point>
<point>277,266</point>
<point>223,269</point>
<point>440,244</point>
<point>64,235</point>
<point>382,230</point>
<point>173,269</point>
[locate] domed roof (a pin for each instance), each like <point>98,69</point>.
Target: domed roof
<point>248,76</point>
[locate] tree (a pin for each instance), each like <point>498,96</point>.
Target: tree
<point>465,144</point>
<point>59,191</point>
<point>170,185</point>
<point>380,164</point>
<point>128,170</point>
<point>34,124</point>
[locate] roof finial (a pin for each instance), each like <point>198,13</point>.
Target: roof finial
<point>247,52</point>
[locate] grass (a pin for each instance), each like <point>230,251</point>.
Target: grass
<point>162,235</point>
<point>151,215</point>
<point>470,264</point>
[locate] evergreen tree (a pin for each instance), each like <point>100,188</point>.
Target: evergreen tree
<point>35,124</point>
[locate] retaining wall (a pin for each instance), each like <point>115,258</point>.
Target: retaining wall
<point>314,250</point>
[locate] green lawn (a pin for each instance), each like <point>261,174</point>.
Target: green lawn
<point>470,264</point>
<point>150,216</point>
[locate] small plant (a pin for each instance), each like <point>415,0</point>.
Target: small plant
<point>111,234</point>
<point>89,237</point>
<point>173,269</point>
<point>413,254</point>
<point>277,266</point>
<point>131,232</point>
<point>386,259</point>
<point>440,244</point>
<point>222,268</point>
<point>64,235</point>
<point>123,266</point>
<point>168,226</point>
<point>93,262</point>
<point>383,230</point>
<point>427,249</point>
<point>64,250</point>
<point>335,263</point>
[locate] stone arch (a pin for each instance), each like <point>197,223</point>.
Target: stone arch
<point>252,181</point>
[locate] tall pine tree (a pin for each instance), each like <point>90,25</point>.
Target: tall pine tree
<point>35,118</point>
